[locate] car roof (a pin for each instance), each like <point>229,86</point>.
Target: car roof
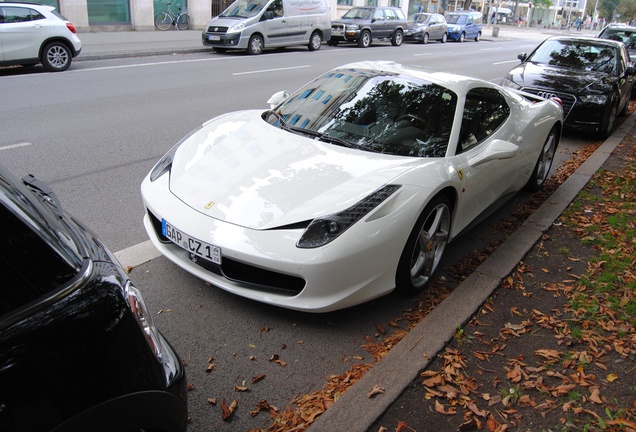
<point>593,40</point>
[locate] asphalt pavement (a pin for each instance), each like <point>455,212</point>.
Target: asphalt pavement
<point>355,410</point>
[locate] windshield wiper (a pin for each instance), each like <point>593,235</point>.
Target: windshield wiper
<point>279,118</point>
<point>44,191</point>
<point>332,139</point>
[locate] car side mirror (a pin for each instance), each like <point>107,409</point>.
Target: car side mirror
<point>277,98</point>
<point>496,150</point>
<point>522,57</point>
<point>269,15</point>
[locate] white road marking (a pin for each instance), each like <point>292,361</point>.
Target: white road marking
<point>270,70</point>
<point>491,49</point>
<point>138,254</point>
<point>9,147</point>
<point>507,61</point>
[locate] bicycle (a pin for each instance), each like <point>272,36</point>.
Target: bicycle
<point>167,18</point>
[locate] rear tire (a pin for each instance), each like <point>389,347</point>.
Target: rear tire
<point>397,38</point>
<point>444,38</point>
<point>255,45</point>
<point>478,37</point>
<point>315,41</point>
<point>183,22</point>
<point>56,57</point>
<point>163,21</point>
<point>424,249</point>
<point>544,163</point>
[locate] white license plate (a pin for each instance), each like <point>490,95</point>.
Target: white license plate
<point>336,32</point>
<point>194,246</point>
<point>214,38</point>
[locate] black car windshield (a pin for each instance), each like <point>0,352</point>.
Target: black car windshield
<point>373,111</point>
<point>244,8</point>
<point>359,13</point>
<point>583,55</point>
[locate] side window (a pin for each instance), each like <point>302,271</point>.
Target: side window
<point>277,8</point>
<point>16,14</point>
<point>390,14</point>
<point>485,110</point>
<point>378,15</point>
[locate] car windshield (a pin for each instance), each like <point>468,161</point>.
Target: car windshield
<point>627,36</point>
<point>419,19</point>
<point>359,13</point>
<point>456,19</point>
<point>576,54</point>
<point>244,8</point>
<point>372,111</point>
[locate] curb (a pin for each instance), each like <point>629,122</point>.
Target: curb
<point>355,411</point>
<point>128,54</point>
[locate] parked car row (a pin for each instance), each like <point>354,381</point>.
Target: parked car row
<point>254,25</point>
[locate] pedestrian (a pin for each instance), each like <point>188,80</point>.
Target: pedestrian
<point>519,21</point>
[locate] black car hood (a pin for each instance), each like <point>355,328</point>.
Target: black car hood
<point>565,80</point>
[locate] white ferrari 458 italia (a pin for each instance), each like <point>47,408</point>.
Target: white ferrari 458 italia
<point>348,188</point>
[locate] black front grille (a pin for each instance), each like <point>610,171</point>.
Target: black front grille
<point>217,29</point>
<point>245,274</point>
<point>567,99</point>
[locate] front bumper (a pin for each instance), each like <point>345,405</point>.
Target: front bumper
<point>222,40</point>
<point>357,267</point>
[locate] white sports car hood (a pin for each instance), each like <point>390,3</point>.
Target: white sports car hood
<point>242,170</point>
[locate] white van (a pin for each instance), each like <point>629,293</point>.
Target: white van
<point>254,25</point>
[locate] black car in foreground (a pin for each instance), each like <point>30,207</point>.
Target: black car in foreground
<point>592,77</point>
<point>78,347</point>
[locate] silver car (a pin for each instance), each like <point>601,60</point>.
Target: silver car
<point>33,33</point>
<point>423,27</point>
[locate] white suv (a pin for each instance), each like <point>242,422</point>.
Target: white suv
<point>34,33</point>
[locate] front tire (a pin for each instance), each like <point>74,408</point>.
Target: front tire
<point>544,163</point>
<point>462,37</point>
<point>397,38</point>
<point>365,39</point>
<point>425,38</point>
<point>255,45</point>
<point>56,57</point>
<point>315,41</point>
<point>611,122</point>
<point>163,21</point>
<point>425,247</point>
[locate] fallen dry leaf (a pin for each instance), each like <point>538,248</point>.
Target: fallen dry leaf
<point>375,390</point>
<point>228,411</point>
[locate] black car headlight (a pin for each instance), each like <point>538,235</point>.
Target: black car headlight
<point>144,319</point>
<point>594,99</point>
<point>326,229</point>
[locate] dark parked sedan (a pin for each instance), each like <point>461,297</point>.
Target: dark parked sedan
<point>78,347</point>
<point>592,77</point>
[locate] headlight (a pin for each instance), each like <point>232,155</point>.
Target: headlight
<point>144,319</point>
<point>507,82</point>
<point>236,27</point>
<point>594,99</point>
<point>353,27</point>
<point>453,29</point>
<point>325,230</point>
<point>164,165</point>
